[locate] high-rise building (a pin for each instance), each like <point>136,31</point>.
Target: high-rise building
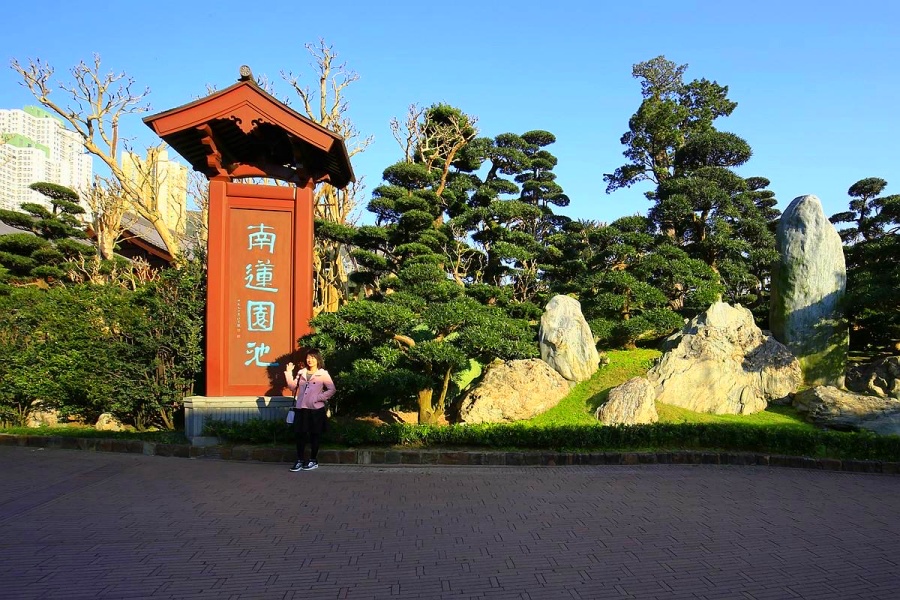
<point>36,146</point>
<point>162,179</point>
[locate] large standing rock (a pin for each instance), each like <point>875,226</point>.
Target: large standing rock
<point>630,403</point>
<point>724,364</point>
<point>839,409</point>
<point>567,343</point>
<point>808,284</point>
<point>513,391</point>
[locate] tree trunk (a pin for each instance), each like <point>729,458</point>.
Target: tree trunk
<point>167,420</point>
<point>442,400</point>
<point>428,415</point>
<point>106,244</point>
<point>331,278</point>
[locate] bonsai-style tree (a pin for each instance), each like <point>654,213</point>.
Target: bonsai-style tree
<point>508,216</point>
<point>872,245</point>
<point>52,246</point>
<point>416,327</point>
<point>631,283</point>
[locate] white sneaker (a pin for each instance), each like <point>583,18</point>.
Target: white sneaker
<point>310,466</point>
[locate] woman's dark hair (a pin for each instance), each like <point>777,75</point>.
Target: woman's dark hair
<point>318,356</point>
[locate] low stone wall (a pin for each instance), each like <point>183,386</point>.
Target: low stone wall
<point>233,409</point>
<point>363,456</point>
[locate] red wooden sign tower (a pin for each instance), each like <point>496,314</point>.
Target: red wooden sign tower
<point>260,243</point>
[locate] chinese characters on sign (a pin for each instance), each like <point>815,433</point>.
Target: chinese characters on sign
<point>260,314</point>
<point>259,282</point>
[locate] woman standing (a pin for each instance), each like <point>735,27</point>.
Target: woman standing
<point>313,387</point>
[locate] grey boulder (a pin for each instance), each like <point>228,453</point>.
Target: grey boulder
<point>513,391</point>
<point>839,409</point>
<point>722,363</point>
<point>629,404</point>
<point>566,341</point>
<point>808,285</point>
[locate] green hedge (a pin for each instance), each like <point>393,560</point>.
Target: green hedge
<point>660,436</point>
<point>160,437</point>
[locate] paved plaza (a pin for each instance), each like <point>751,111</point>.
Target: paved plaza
<point>103,525</point>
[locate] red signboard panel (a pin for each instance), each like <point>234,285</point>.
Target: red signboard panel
<point>259,293</point>
<point>260,285</point>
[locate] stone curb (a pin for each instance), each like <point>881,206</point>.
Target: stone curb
<point>451,457</point>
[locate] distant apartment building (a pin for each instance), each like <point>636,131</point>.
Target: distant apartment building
<point>35,146</point>
<point>162,179</point>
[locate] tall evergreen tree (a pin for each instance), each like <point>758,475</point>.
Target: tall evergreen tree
<point>669,115</point>
<point>700,203</point>
<point>872,245</point>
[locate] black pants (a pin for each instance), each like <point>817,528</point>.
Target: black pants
<point>309,424</point>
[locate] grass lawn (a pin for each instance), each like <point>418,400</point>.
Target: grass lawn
<point>579,406</point>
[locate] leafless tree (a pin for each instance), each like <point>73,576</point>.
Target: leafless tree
<point>327,105</point>
<point>107,213</point>
<point>198,193</point>
<point>436,142</point>
<point>98,102</point>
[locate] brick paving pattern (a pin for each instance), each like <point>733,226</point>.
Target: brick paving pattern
<point>102,525</point>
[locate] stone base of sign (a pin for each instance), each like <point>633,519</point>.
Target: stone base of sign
<point>233,409</point>
<point>205,441</point>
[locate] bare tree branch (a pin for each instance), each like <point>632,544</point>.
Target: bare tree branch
<point>331,204</point>
<point>96,105</point>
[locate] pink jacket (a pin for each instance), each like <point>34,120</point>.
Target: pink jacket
<point>313,393</point>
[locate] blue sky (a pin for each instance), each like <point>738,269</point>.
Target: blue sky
<point>817,84</point>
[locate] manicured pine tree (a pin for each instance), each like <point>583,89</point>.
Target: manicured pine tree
<point>872,248</point>
<point>630,285</point>
<point>700,204</point>
<point>509,216</point>
<point>45,253</point>
<point>416,326</point>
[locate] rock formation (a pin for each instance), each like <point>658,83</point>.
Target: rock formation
<point>630,403</point>
<point>724,364</point>
<point>108,422</point>
<point>880,378</point>
<point>808,284</point>
<point>512,391</point>
<point>839,409</point>
<point>566,341</point>
<point>41,416</point>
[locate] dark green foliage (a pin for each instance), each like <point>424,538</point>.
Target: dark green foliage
<point>89,349</point>
<point>510,234</point>
<point>387,351</point>
<point>518,436</point>
<point>872,248</point>
<point>631,282</point>
<point>62,346</point>
<point>170,335</point>
<point>700,203</point>
<point>84,433</point>
<point>670,114</point>
<point>435,300</point>
<point>54,249</point>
